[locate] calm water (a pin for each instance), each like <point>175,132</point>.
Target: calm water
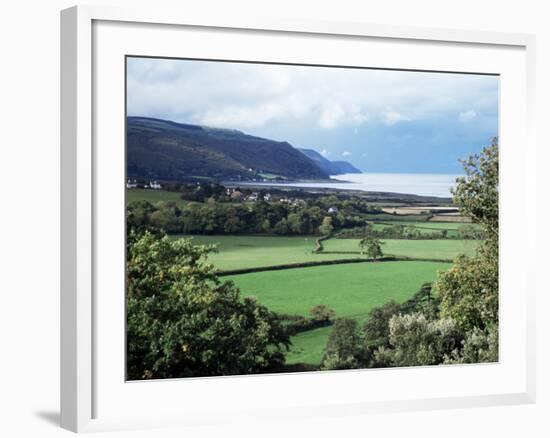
<point>425,184</point>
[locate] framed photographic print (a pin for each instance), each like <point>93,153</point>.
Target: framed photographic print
<point>258,209</point>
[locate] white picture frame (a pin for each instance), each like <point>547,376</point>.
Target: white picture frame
<point>92,37</point>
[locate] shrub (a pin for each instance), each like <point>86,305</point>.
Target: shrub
<point>419,341</point>
<point>183,321</point>
<point>376,327</point>
<point>322,313</point>
<point>345,347</point>
<point>480,346</point>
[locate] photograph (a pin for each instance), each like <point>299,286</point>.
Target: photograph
<point>285,218</point>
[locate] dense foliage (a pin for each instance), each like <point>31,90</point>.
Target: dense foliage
<point>302,217</point>
<point>469,291</point>
<point>417,340</point>
<point>457,321</point>
<point>394,334</point>
<point>183,321</point>
<point>345,348</point>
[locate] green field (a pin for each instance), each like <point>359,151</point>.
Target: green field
<point>387,217</point>
<point>352,290</point>
<point>237,252</point>
<point>445,249</point>
<point>428,227</point>
<point>153,196</point>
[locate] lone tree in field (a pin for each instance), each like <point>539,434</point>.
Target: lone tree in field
<point>372,247</point>
<point>183,321</point>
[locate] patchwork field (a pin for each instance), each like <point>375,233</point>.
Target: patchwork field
<point>445,249</point>
<point>427,227</point>
<point>237,252</point>
<point>153,196</point>
<point>352,290</point>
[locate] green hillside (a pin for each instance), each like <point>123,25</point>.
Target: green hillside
<point>164,150</point>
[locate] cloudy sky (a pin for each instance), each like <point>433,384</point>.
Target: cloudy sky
<point>380,121</point>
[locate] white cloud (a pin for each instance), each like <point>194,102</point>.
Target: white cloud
<point>332,114</point>
<point>346,154</point>
<point>258,97</point>
<point>393,117</point>
<point>466,116</point>
<point>325,153</point>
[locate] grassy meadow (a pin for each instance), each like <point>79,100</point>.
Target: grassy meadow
<point>352,290</point>
<point>153,196</point>
<point>238,252</point>
<point>443,249</point>
<point>426,228</point>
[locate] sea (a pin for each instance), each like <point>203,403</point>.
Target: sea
<point>423,184</point>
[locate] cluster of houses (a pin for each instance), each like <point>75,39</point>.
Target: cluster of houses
<point>237,195</point>
<point>292,201</point>
<point>133,184</point>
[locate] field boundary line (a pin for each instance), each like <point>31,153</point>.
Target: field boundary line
<point>326,263</point>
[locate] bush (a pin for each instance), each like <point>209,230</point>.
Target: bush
<point>480,346</point>
<point>469,290</point>
<point>419,341</point>
<point>376,328</point>
<point>297,323</point>
<point>183,321</point>
<point>382,358</point>
<point>345,347</point>
<point>423,301</point>
<point>322,313</point>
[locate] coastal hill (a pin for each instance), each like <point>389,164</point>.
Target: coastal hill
<point>164,150</point>
<point>330,167</point>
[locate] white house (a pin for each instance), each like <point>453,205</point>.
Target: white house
<point>155,185</point>
<point>333,210</point>
<point>131,184</point>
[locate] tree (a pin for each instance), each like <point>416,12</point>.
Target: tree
<point>294,222</point>
<point>345,349</point>
<point>376,327</point>
<point>373,246</point>
<point>469,290</point>
<point>281,227</point>
<point>477,192</point>
<point>322,313</point>
<point>326,226</point>
<point>415,340</point>
<point>183,321</point>
<point>138,216</point>
<point>480,346</point>
<point>423,301</point>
